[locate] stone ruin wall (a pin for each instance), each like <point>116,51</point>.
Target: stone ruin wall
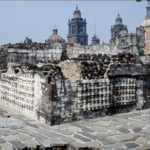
<point>87,86</point>
<point>27,93</point>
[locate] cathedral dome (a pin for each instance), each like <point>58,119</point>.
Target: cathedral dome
<point>55,38</point>
<point>145,23</point>
<point>77,13</point>
<point>118,20</point>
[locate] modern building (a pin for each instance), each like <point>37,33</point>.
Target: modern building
<point>55,38</point>
<point>77,29</point>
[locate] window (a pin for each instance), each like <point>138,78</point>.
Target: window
<point>81,30</point>
<point>122,42</point>
<point>73,30</point>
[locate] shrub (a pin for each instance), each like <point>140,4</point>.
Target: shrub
<point>141,52</point>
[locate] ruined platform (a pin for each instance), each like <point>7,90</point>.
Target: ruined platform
<point>118,132</point>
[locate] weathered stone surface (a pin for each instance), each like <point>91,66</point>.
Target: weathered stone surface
<point>142,133</point>
<point>130,139</point>
<point>120,149</point>
<point>136,130</point>
<point>38,135</point>
<point>72,129</point>
<point>31,125</point>
<point>114,133</point>
<point>87,130</point>
<point>64,132</point>
<point>141,140</point>
<point>3,134</point>
<point>24,136</point>
<point>77,136</point>
<point>126,135</point>
<point>123,130</point>
<point>11,132</point>
<point>18,144</point>
<point>45,131</point>
<point>44,143</point>
<point>131,145</point>
<point>68,139</point>
<point>6,146</point>
<point>126,126</point>
<point>31,143</point>
<point>137,125</point>
<point>1,140</point>
<point>93,144</point>
<point>3,120</point>
<point>55,135</point>
<point>22,131</point>
<point>118,144</point>
<point>99,129</point>
<point>56,142</point>
<point>105,141</point>
<point>77,145</point>
<point>9,138</point>
<point>113,128</point>
<point>100,134</point>
<point>88,135</point>
<point>147,136</point>
<point>12,125</point>
<point>29,129</point>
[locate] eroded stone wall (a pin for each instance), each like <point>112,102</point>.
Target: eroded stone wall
<point>26,92</point>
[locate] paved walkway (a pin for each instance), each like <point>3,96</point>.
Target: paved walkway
<point>118,132</point>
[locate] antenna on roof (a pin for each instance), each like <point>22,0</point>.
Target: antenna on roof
<point>118,14</point>
<point>95,27</point>
<point>76,6</point>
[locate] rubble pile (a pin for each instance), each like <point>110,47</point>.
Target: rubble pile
<point>96,66</point>
<point>124,58</point>
<point>50,71</point>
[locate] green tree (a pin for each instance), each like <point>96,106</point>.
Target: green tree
<point>141,52</point>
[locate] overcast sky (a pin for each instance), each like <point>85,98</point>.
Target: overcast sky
<point>36,19</point>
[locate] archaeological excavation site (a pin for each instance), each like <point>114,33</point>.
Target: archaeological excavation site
<point>73,97</point>
<point>60,84</point>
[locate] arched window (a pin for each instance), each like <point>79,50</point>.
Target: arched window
<point>122,42</point>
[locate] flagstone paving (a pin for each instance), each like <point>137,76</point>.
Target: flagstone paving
<point>117,132</point>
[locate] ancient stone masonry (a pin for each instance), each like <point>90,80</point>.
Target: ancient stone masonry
<point>93,94</point>
<point>123,91</point>
<point>83,82</point>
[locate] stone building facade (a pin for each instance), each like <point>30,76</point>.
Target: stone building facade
<point>95,40</point>
<point>146,25</point>
<point>77,29</point>
<point>124,40</point>
<point>27,40</point>
<point>86,86</point>
<point>55,38</point>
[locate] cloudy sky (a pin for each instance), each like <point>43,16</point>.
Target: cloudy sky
<point>36,19</point>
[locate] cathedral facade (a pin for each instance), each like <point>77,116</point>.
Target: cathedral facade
<point>77,29</point>
<point>124,40</point>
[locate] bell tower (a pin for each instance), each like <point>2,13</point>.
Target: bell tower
<point>77,29</point>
